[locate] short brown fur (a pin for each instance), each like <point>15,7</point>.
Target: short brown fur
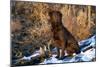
<point>63,39</point>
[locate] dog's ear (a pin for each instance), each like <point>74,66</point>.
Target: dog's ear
<point>59,13</point>
<point>50,14</point>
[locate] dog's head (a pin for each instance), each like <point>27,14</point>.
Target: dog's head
<point>55,16</point>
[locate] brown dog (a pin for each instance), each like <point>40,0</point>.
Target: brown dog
<point>62,38</point>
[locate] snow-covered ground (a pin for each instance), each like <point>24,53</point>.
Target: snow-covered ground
<point>87,48</point>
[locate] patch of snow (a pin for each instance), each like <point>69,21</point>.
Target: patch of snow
<point>88,55</point>
<point>51,60</point>
<point>91,42</point>
<point>29,57</point>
